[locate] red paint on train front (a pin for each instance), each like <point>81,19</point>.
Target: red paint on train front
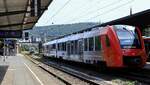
<point>112,52</point>
<point>137,52</point>
<point>116,56</point>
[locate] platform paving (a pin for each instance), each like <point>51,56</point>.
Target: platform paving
<point>17,70</point>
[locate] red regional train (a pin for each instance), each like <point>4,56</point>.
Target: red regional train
<point>116,46</point>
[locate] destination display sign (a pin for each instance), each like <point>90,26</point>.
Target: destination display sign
<point>10,33</point>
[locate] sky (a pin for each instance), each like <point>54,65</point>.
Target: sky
<point>101,11</point>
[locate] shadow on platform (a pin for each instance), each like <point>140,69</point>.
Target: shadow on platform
<point>3,70</point>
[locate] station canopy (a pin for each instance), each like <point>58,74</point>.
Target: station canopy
<point>21,14</point>
<point>141,19</point>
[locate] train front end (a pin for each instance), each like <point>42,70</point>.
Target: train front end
<point>132,46</point>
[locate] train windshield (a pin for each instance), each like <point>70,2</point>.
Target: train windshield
<point>128,36</point>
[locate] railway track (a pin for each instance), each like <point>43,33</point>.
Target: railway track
<point>70,76</point>
<point>142,75</point>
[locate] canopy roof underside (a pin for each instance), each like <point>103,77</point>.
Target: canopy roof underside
<point>16,14</point>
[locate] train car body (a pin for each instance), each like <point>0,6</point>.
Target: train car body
<point>116,46</point>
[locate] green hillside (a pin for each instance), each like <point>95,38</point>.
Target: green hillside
<point>59,30</point>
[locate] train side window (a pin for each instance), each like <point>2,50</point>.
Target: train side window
<point>97,43</point>
<point>91,44</point>
<point>49,47</point>
<point>59,46</point>
<point>85,44</point>
<point>107,41</point>
<point>68,44</point>
<point>76,46</point>
<point>72,47</point>
<point>63,46</point>
<point>53,46</point>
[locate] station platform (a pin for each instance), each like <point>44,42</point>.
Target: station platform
<point>17,70</point>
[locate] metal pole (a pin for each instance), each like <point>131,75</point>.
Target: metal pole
<point>4,51</point>
<point>7,50</point>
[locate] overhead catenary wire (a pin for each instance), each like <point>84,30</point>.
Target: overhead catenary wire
<point>93,11</point>
<point>110,10</point>
<point>86,6</point>
<point>59,10</point>
<point>65,5</point>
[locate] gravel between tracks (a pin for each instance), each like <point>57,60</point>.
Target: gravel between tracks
<point>65,77</point>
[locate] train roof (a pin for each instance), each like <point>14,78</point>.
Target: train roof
<point>85,30</point>
<point>90,32</point>
<point>50,42</point>
<point>86,34</point>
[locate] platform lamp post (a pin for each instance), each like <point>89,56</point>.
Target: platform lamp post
<point>43,40</point>
<point>4,49</point>
<point>40,46</point>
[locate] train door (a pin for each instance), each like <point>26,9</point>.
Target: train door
<point>106,49</point>
<point>80,49</point>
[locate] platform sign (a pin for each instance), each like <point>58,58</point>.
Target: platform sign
<point>10,33</point>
